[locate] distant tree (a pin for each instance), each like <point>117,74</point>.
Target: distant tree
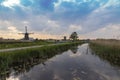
<point>36,39</point>
<point>74,36</point>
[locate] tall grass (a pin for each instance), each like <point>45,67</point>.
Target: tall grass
<point>107,50</point>
<point>25,59</point>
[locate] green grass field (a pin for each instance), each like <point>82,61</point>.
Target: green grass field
<point>5,45</point>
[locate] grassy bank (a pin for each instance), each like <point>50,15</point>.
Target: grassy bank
<point>23,60</point>
<point>107,50</point>
<point>5,45</point>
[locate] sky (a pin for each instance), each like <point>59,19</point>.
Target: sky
<point>58,18</point>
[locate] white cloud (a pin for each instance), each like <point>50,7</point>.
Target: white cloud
<point>75,27</point>
<point>113,3</point>
<point>10,3</point>
<point>4,24</point>
<point>8,30</point>
<point>110,3</point>
<point>13,29</point>
<point>110,31</point>
<point>60,1</point>
<point>53,24</point>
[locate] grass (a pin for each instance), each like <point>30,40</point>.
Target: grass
<point>20,60</point>
<point>107,50</point>
<point>5,45</point>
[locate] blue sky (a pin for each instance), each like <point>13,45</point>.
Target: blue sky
<point>55,18</point>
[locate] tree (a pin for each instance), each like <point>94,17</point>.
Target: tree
<point>74,36</point>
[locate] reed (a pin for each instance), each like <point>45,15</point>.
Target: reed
<point>107,50</point>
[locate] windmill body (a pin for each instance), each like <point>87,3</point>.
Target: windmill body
<point>26,36</point>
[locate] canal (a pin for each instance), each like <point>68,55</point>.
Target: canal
<point>78,63</point>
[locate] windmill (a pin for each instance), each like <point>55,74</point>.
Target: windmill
<point>26,34</point>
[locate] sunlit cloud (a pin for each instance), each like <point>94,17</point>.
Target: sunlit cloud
<point>10,3</point>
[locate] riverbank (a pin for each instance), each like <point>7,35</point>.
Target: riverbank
<point>108,50</point>
<point>18,59</point>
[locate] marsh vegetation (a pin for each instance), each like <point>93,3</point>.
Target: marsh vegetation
<point>22,61</point>
<point>108,50</point>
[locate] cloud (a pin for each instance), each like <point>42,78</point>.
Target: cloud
<point>57,17</point>
<point>39,6</point>
<point>101,18</point>
<point>109,31</point>
<point>13,29</point>
<point>4,24</point>
<point>10,3</point>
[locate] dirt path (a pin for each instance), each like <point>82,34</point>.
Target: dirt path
<point>22,48</point>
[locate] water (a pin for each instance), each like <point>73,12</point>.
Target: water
<point>75,64</point>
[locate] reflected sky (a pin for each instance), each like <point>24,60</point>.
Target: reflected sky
<point>81,65</point>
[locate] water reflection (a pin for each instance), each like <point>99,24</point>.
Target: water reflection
<point>112,58</point>
<point>75,64</point>
<point>74,49</point>
<point>25,64</point>
<point>22,67</point>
